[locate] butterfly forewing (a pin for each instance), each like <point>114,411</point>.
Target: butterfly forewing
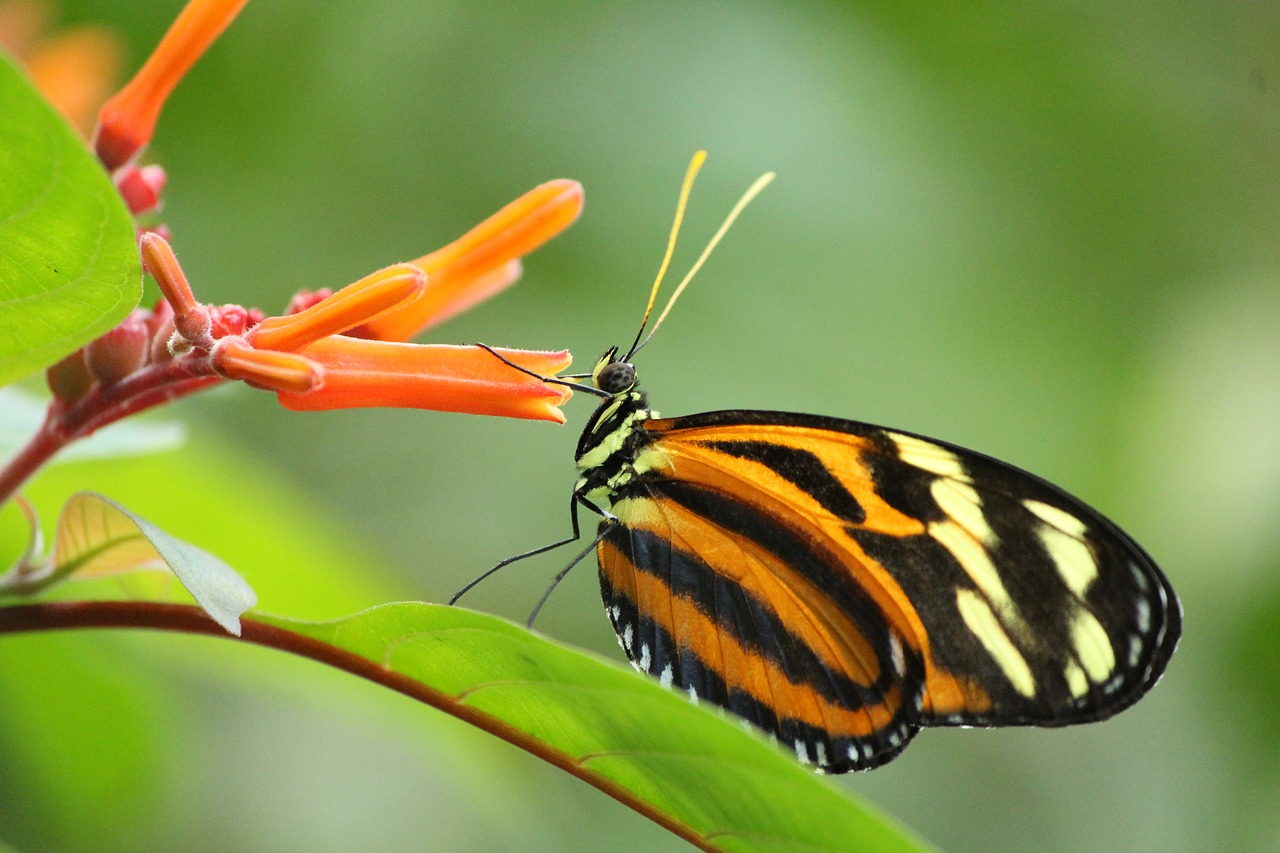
<point>839,585</point>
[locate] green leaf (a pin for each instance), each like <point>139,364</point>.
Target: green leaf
<point>69,268</point>
<point>693,769</point>
<point>97,537</point>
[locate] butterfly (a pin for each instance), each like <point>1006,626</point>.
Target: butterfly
<point>841,585</point>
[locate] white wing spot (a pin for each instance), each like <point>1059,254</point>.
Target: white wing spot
<point>627,637</point>
<point>802,752</point>
<point>822,753</point>
<point>1135,651</point>
<point>645,660</point>
<point>896,656</point>
<point>1144,615</point>
<point>693,694</point>
<point>1139,577</point>
<point>667,676</point>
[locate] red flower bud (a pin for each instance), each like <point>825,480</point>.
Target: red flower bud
<point>69,379</point>
<point>140,187</point>
<point>119,352</point>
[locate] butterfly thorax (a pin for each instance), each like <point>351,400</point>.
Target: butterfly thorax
<point>614,438</point>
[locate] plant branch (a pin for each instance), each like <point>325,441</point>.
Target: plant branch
<point>102,406</point>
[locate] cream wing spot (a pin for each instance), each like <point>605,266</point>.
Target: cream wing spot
<point>961,502</point>
<point>1071,557</point>
<point>982,622</point>
<point>977,564</point>
<point>928,456</point>
<point>1061,519</point>
<point>1077,682</point>
<point>1092,646</point>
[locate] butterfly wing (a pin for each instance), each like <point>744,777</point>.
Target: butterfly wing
<point>840,585</point>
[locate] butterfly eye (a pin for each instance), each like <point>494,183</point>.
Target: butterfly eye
<point>616,377</point>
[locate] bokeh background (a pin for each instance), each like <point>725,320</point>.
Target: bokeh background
<point>1043,230</point>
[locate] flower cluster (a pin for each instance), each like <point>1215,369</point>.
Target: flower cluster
<point>343,349</point>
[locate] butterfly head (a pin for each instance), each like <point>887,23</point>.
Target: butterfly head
<point>613,375</point>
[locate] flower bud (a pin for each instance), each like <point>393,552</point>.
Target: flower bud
<point>304,299</point>
<point>69,379</point>
<point>119,352</point>
<point>230,320</point>
<point>140,187</point>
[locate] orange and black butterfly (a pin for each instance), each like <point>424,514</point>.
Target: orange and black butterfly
<point>841,585</point>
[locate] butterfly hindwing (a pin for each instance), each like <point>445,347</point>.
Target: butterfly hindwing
<point>711,608</point>
<point>840,585</point>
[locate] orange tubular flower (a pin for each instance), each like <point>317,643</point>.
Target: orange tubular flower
<point>312,366</point>
<point>387,372</point>
<point>360,373</point>
<point>482,262</point>
<point>127,121</point>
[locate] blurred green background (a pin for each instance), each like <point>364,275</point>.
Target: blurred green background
<point>1047,231</point>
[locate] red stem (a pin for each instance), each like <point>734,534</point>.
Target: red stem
<point>104,405</point>
<point>28,460</point>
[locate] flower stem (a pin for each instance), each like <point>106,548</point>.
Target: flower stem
<point>104,405</point>
<point>28,460</point>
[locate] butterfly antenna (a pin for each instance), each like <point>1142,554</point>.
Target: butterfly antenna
<point>685,188</point>
<point>747,197</point>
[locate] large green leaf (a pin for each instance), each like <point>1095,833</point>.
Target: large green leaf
<point>691,769</point>
<point>69,268</point>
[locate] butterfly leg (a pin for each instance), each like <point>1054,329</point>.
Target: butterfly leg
<point>555,582</point>
<point>577,498</point>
